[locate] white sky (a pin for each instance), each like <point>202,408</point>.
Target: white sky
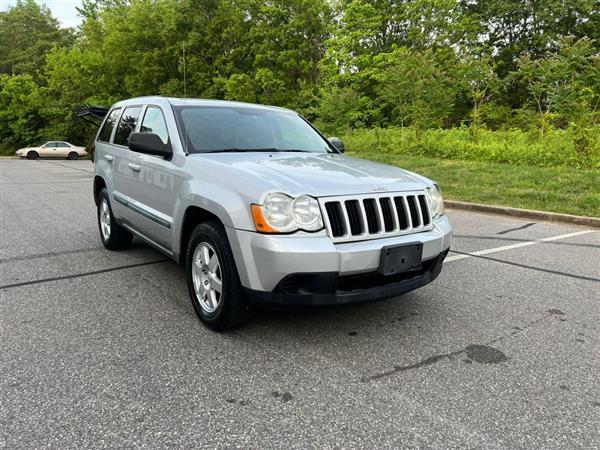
<point>63,10</point>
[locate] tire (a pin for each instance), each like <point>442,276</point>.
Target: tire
<point>33,155</point>
<point>223,310</point>
<point>73,156</point>
<point>113,235</point>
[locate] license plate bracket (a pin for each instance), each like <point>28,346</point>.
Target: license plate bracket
<point>396,259</point>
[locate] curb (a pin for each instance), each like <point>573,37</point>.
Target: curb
<point>593,222</point>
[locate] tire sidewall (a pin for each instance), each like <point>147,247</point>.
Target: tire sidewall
<point>103,196</point>
<point>72,156</point>
<point>207,235</point>
<point>32,155</point>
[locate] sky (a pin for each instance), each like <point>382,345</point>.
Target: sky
<point>63,10</point>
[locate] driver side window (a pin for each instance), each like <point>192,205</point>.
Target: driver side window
<point>154,122</point>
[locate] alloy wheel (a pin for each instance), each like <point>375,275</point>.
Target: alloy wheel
<point>207,278</point>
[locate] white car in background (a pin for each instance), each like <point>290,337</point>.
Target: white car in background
<point>52,149</point>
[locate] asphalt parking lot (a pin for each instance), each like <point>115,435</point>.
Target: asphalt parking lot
<point>103,349</point>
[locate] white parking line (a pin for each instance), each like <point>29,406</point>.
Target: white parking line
<point>519,245</point>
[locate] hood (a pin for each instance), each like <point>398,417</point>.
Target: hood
<point>319,175</point>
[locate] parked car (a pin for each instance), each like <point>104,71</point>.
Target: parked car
<point>52,149</point>
<point>261,208</point>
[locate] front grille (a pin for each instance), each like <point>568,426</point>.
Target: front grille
<point>374,216</point>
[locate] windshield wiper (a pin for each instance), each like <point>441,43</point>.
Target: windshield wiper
<point>262,149</point>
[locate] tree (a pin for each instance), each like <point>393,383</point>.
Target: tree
<point>414,88</point>
<point>21,104</point>
<point>566,86</point>
<point>480,83</point>
<point>27,32</point>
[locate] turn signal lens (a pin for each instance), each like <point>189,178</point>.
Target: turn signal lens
<point>259,220</point>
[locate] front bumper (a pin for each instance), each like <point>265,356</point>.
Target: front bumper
<point>329,288</point>
<point>263,261</point>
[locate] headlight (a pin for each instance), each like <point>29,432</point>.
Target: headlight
<point>280,213</point>
<point>436,203</point>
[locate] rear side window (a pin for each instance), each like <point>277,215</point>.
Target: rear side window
<point>154,122</point>
<point>126,125</point>
<point>109,125</point>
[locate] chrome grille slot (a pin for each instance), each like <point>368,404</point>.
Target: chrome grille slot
<point>424,209</point>
<point>401,211</point>
<point>371,211</point>
<point>336,218</point>
<point>354,217</point>
<point>414,214</point>
<point>386,210</point>
<point>361,217</point>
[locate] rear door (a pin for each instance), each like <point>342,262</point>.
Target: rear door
<point>154,184</point>
<point>62,149</point>
<point>122,168</point>
<point>114,161</point>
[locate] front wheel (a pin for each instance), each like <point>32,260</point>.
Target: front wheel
<point>113,235</point>
<point>32,155</point>
<point>212,278</point>
<point>73,156</point>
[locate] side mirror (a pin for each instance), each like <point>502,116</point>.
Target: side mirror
<point>338,144</point>
<point>150,144</point>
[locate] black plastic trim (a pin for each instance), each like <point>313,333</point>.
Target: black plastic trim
<point>323,288</point>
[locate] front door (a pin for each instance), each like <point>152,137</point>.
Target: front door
<point>154,184</point>
<point>48,150</point>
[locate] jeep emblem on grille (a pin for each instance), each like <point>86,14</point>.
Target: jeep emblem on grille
<point>380,188</point>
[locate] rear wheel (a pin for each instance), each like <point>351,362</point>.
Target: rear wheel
<point>32,155</point>
<point>213,281</point>
<point>72,156</point>
<point>113,235</point>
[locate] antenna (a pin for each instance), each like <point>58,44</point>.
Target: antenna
<point>184,74</point>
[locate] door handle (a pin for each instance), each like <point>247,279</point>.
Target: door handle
<point>135,167</point>
<point>109,158</point>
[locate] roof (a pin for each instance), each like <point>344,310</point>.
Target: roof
<point>175,101</point>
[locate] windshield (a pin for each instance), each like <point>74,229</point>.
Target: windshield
<point>246,129</point>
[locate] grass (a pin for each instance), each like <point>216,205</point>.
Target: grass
<point>561,189</point>
<point>554,148</point>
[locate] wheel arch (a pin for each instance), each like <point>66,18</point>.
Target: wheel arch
<point>193,216</point>
<point>99,184</point>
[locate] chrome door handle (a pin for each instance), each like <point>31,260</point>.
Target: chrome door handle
<point>109,158</point>
<point>133,166</point>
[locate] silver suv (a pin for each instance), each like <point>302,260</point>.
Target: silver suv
<point>261,208</point>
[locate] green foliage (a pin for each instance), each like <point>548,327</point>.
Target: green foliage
<point>556,148</point>
<point>21,103</point>
<point>342,109</point>
<point>441,74</point>
<point>27,32</point>
<point>414,88</point>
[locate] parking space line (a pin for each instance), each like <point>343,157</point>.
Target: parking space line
<point>83,274</point>
<point>48,255</point>
<point>540,269</point>
<point>513,246</point>
<point>522,227</point>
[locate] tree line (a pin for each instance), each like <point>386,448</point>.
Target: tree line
<point>532,65</point>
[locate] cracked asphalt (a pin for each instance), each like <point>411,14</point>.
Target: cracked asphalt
<point>103,349</point>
